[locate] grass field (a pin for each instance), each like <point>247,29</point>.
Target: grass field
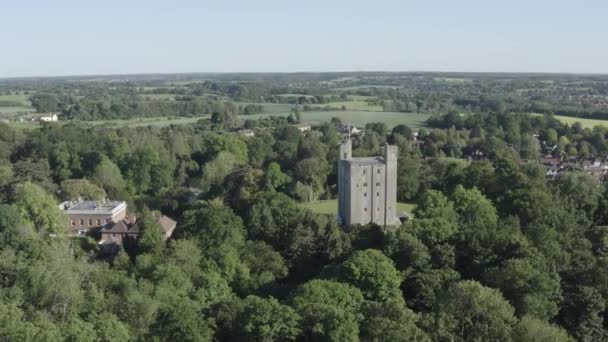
<point>357,118</point>
<point>356,103</point>
<point>587,123</point>
<point>15,110</point>
<point>25,106</point>
<point>330,207</point>
<point>155,122</point>
<point>271,107</point>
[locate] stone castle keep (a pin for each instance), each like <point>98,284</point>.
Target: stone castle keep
<point>367,187</point>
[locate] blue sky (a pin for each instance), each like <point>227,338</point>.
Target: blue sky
<point>69,37</point>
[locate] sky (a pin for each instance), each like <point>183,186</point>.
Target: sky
<point>92,37</point>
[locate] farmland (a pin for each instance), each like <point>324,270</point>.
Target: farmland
<point>14,104</point>
<point>587,123</point>
<point>357,118</point>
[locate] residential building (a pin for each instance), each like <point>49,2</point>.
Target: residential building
<point>47,117</point>
<point>367,187</point>
<point>246,132</point>
<point>85,216</point>
<point>303,127</point>
<point>129,227</point>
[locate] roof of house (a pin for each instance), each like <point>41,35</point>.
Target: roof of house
<point>167,223</point>
<point>129,225</point>
<point>93,207</point>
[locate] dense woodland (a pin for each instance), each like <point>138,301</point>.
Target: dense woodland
<point>494,252</point>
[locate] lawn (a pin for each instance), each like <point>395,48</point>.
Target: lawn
<point>587,123</point>
<point>357,118</point>
<point>330,207</point>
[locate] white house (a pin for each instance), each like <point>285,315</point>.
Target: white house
<point>48,117</point>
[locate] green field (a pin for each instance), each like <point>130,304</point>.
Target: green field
<point>357,118</point>
<point>25,106</point>
<point>330,207</point>
<point>155,122</point>
<point>587,123</point>
<point>273,108</point>
<point>356,103</point>
<point>15,110</point>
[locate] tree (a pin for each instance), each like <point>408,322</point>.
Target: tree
<point>107,175</point>
<point>530,285</point>
<point>216,170</point>
<point>327,292</point>
<point>312,172</point>
<point>12,230</point>
<point>321,322</point>
<point>436,219</point>
<point>151,239</point>
<point>110,329</point>
<point>328,309</point>
<point>266,320</point>
<point>532,329</point>
<point>73,189</point>
<point>390,321</point>
<point>372,272</point>
<point>274,178</point>
<point>180,322</point>
<point>37,208</point>
<point>264,265</point>
<point>472,312</point>
<point>219,234</point>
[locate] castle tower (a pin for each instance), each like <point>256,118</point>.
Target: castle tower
<point>367,187</point>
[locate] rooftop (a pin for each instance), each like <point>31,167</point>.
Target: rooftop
<point>92,207</point>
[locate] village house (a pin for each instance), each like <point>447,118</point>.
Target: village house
<point>347,130</point>
<point>246,132</point>
<point>46,117</point>
<point>303,127</point>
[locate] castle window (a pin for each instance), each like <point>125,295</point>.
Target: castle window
<point>82,222</point>
<point>365,209</point>
<point>73,223</point>
<point>377,183</point>
<point>378,171</point>
<point>365,194</point>
<point>363,171</point>
<point>377,194</point>
<point>365,184</point>
<point>98,222</point>
<point>90,222</point>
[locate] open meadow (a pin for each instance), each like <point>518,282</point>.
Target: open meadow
<point>357,118</point>
<point>587,123</point>
<point>14,104</point>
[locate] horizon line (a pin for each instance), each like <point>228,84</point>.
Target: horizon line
<point>92,75</point>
